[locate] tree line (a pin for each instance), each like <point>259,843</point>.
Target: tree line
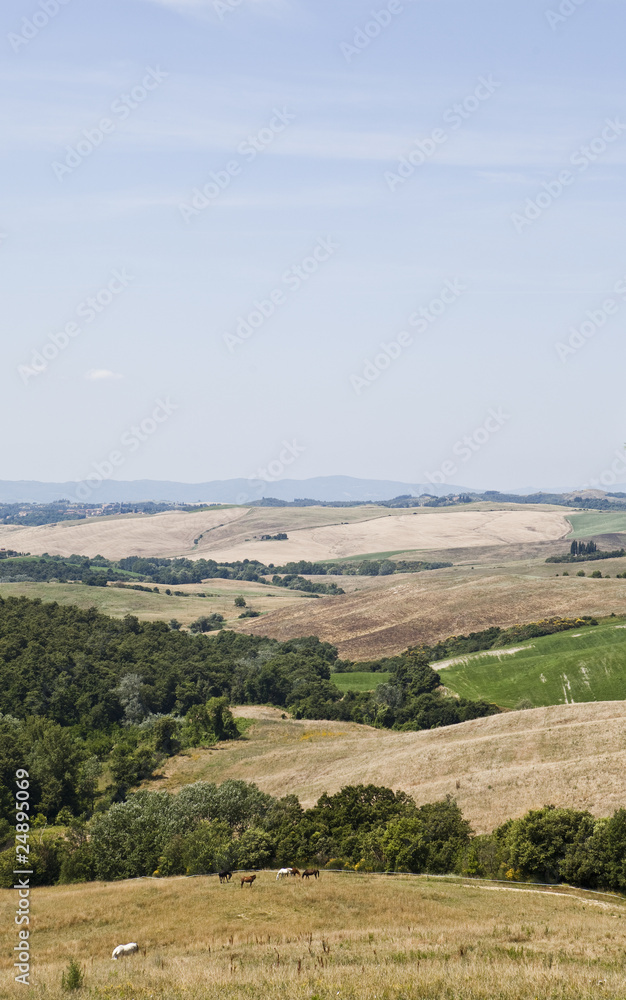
<point>585,551</point>
<point>206,828</point>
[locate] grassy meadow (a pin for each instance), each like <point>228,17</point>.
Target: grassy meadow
<point>570,667</point>
<point>346,935</point>
<point>596,522</point>
<point>211,597</point>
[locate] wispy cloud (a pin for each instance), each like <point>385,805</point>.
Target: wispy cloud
<point>100,374</point>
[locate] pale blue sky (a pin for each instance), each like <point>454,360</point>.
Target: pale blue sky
<point>331,121</point>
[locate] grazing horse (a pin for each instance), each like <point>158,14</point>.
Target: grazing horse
<point>225,876</point>
<point>282,872</point>
<point>295,871</point>
<point>124,949</point>
<point>311,871</point>
<point>247,880</point>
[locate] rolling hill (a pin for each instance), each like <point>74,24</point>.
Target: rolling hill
<point>496,767</point>
<point>567,668</point>
<point>314,533</point>
<point>388,614</point>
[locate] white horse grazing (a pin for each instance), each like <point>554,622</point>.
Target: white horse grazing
<point>124,949</point>
<point>282,872</point>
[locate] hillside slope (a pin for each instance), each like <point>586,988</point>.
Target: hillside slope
<point>314,533</point>
<point>403,610</point>
<point>496,768</point>
<point>589,665</point>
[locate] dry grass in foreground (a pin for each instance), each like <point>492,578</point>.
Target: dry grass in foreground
<point>496,768</point>
<point>348,936</point>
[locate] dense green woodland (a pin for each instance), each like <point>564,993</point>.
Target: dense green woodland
<point>80,690</point>
<point>207,828</point>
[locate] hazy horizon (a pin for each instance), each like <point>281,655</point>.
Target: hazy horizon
<point>382,238</point>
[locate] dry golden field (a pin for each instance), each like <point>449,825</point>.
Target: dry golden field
<point>347,935</point>
<point>315,533</point>
<point>496,768</point>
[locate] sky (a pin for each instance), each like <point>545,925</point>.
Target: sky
<point>315,237</point>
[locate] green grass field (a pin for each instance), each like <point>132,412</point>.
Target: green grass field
<point>360,680</point>
<point>596,522</point>
<point>571,667</point>
<point>118,601</point>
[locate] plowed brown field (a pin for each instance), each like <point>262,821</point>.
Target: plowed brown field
<point>398,611</point>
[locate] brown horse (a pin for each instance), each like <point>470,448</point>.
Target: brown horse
<point>295,871</point>
<point>247,880</point>
<point>315,872</point>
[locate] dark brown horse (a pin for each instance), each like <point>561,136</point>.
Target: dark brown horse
<point>315,872</point>
<point>225,876</point>
<point>247,880</point>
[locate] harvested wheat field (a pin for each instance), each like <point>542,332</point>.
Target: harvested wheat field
<point>347,935</point>
<point>314,533</point>
<point>404,610</point>
<point>497,768</point>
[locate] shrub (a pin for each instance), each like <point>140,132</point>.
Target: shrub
<point>73,978</point>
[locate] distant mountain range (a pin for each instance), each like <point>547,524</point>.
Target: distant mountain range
<point>324,488</point>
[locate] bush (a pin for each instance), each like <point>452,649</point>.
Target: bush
<point>73,978</point>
